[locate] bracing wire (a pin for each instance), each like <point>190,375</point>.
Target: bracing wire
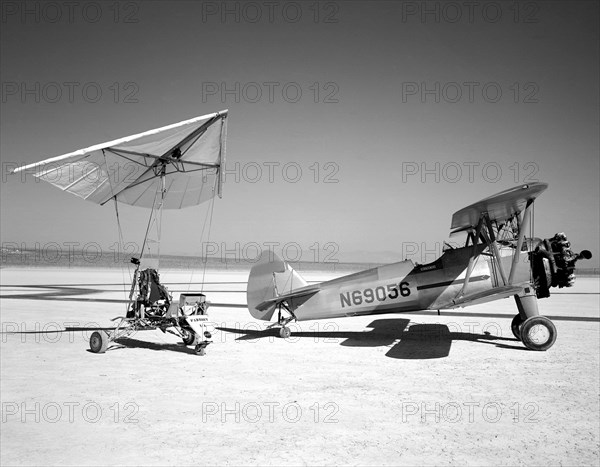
<point>159,222</point>
<point>208,219</point>
<point>531,235</point>
<point>119,230</point>
<point>212,204</point>
<point>149,222</point>
<point>121,248</point>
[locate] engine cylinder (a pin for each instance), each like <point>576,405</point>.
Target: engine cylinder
<point>553,264</point>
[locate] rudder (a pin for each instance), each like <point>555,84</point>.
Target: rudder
<point>270,277</point>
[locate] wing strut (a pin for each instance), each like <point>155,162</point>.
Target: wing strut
<point>490,239</point>
<point>522,229</point>
<point>471,260</point>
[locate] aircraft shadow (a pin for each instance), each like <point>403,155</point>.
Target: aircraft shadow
<point>129,342</point>
<point>420,341</point>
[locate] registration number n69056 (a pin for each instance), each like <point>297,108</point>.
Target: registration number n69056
<point>370,295</point>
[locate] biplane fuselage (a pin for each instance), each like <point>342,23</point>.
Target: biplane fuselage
<point>404,286</point>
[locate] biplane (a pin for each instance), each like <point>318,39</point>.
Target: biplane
<point>171,167</point>
<point>498,260</point>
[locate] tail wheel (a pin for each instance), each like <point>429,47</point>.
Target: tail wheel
<point>285,332</point>
<point>538,333</point>
<point>98,342</point>
<point>515,326</point>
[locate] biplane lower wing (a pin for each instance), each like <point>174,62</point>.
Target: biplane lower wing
<point>482,297</point>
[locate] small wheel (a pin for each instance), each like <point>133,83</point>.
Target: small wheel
<point>538,333</point>
<point>284,332</point>
<point>516,326</point>
<point>200,350</point>
<point>98,342</point>
<point>188,336</point>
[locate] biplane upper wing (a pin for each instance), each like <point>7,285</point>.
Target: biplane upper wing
<point>482,297</point>
<point>499,207</point>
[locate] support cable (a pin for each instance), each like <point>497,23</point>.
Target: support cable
<point>121,245</point>
<point>208,219</point>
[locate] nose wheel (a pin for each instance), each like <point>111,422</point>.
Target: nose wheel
<point>188,336</point>
<point>99,342</point>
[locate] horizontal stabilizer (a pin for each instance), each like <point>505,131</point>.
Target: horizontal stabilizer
<point>296,294</point>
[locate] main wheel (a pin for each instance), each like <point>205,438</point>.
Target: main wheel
<point>515,326</point>
<point>538,333</point>
<point>285,332</point>
<point>188,336</point>
<point>98,342</point>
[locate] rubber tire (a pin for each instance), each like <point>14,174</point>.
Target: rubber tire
<point>188,337</point>
<point>98,342</point>
<point>200,350</point>
<point>527,326</point>
<point>515,326</point>
<point>285,333</point>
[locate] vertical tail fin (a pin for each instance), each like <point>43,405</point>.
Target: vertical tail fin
<point>270,277</point>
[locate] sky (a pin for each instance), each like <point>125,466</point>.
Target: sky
<point>355,128</point>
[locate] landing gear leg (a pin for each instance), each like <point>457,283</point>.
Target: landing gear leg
<point>527,305</point>
<point>535,331</point>
<point>284,331</point>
